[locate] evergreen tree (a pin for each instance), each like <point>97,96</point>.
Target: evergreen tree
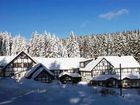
<point>73,46</point>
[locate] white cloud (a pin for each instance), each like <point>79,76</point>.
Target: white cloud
<point>112,14</point>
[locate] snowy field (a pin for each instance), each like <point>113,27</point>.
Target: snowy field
<point>28,92</point>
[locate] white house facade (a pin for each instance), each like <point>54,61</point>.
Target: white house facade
<point>104,71</point>
<point>124,70</point>
<point>39,68</point>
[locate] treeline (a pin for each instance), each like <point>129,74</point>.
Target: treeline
<point>119,43</point>
<point>88,46</point>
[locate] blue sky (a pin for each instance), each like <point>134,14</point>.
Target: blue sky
<point>63,16</point>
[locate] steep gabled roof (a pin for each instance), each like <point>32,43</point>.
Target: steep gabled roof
<point>32,70</point>
<point>36,70</point>
<point>125,61</point>
<point>91,65</point>
<point>115,61</point>
<point>12,58</point>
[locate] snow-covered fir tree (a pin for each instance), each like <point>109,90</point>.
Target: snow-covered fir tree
<point>18,45</point>
<point>35,44</point>
<point>5,43</point>
<point>62,50</point>
<point>73,46</point>
<point>88,46</point>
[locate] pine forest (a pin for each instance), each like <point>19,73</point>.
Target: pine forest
<point>87,46</point>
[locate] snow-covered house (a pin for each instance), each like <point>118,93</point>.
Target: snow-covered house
<point>59,65</point>
<point>62,68</point>
<point>38,68</point>
<point>16,66</point>
<point>67,77</point>
<point>105,70</point>
<point>40,73</point>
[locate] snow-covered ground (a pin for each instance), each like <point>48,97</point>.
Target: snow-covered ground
<point>28,92</point>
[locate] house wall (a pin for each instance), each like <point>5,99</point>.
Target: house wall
<point>22,63</point>
<point>103,68</point>
<point>130,82</point>
<point>19,66</point>
<point>84,63</point>
<point>58,72</point>
<point>44,77</point>
<point>68,79</point>
<point>1,73</point>
<point>86,76</point>
<point>132,72</point>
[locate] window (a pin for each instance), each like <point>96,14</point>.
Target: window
<point>75,70</point>
<point>88,74</point>
<point>14,65</point>
<point>56,73</point>
<point>12,74</point>
<point>26,65</point>
<point>43,77</point>
<point>17,65</point>
<point>84,74</point>
<point>82,64</point>
<point>103,63</point>
<point>19,75</point>
<point>103,73</point>
<point>1,74</point>
<point>70,71</point>
<point>100,84</point>
<point>67,78</point>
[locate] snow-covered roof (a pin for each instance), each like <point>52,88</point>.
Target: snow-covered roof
<point>130,76</point>
<point>50,63</point>
<point>37,72</point>
<point>89,59</point>
<point>59,63</point>
<point>91,65</point>
<point>70,74</point>
<point>34,71</point>
<point>105,77</point>
<point>29,72</point>
<point>4,60</point>
<point>125,61</point>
